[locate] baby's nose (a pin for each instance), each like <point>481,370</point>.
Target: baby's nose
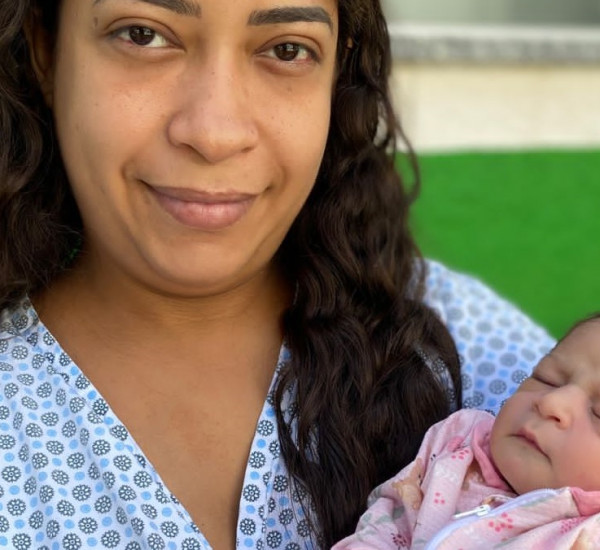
<point>562,404</point>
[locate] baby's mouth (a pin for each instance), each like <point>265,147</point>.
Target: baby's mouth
<point>530,439</point>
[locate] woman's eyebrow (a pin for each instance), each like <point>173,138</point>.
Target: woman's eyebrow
<point>181,7</point>
<point>273,16</point>
<point>290,15</point>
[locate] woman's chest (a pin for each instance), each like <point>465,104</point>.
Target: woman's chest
<point>167,476</point>
<point>201,455</point>
<point>77,473</point>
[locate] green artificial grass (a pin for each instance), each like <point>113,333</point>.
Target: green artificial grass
<point>526,223</point>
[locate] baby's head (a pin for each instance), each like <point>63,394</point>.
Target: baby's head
<point>547,435</point>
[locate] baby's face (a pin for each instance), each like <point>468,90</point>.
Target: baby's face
<point>547,435</point>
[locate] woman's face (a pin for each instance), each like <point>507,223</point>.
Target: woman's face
<point>192,130</point>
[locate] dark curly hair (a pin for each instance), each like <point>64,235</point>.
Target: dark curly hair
<point>363,344</point>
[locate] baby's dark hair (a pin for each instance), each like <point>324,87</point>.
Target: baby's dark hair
<point>585,320</point>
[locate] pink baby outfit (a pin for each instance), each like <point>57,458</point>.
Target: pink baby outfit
<point>451,497</point>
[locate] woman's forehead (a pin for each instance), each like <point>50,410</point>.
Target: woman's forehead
<point>308,10</point>
<point>182,7</point>
<point>581,346</point>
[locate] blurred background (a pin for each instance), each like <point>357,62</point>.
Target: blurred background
<point>501,100</point>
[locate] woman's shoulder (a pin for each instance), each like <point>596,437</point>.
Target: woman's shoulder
<point>17,319</point>
<point>19,335</point>
<point>29,358</point>
<point>498,344</point>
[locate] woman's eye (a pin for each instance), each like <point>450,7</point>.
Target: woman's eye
<point>535,376</point>
<point>291,52</point>
<point>142,36</point>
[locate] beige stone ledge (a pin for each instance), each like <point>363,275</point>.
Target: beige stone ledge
<point>443,43</point>
<point>458,106</point>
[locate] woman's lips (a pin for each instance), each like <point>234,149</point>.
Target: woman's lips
<point>201,210</point>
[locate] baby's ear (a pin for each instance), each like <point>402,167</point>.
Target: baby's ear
<point>41,43</point>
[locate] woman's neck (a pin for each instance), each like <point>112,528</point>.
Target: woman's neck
<point>86,308</point>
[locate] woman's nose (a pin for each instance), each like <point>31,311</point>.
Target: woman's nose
<point>213,114</point>
<point>561,404</point>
